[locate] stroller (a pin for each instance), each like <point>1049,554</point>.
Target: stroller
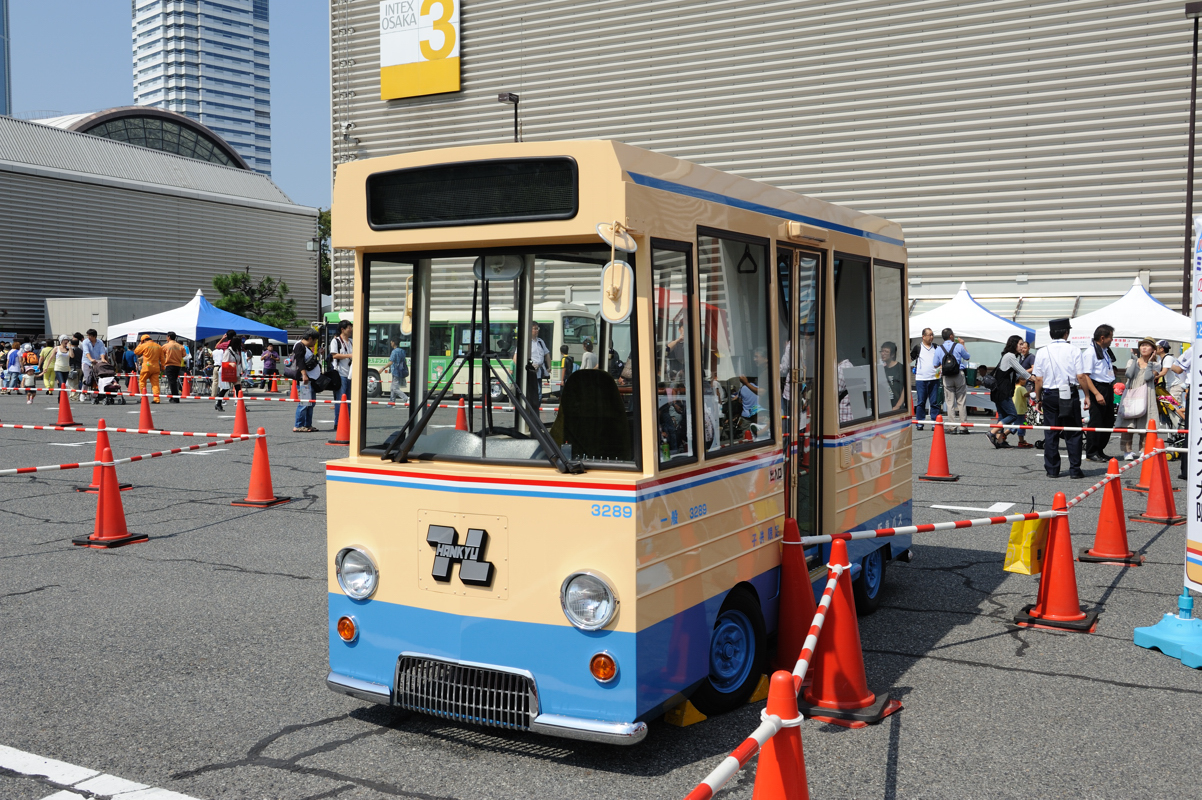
<point>108,388</point>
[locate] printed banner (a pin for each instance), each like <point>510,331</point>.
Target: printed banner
<point>419,47</point>
<point>1193,530</point>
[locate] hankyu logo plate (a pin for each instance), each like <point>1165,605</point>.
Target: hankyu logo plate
<point>462,554</point>
<point>473,569</point>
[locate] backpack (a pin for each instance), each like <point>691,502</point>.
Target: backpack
<point>1003,384</point>
<point>950,364</point>
<point>30,359</point>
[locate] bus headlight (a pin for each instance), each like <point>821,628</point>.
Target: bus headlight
<point>588,600</point>
<point>357,573</point>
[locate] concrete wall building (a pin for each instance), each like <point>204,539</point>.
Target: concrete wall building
<point>67,315</point>
<point>1034,149</point>
<point>210,61</point>
<point>83,215</point>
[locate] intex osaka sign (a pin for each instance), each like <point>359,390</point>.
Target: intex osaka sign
<point>419,47</point>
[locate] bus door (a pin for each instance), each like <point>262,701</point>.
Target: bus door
<point>798,276</point>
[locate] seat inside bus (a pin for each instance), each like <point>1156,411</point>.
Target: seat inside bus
<point>592,418</point>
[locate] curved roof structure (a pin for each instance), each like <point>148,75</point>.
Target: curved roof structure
<point>155,128</point>
<point>970,319</point>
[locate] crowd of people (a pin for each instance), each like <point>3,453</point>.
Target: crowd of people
<point>1059,385</point>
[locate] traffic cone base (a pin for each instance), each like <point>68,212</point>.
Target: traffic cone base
<point>1132,559</point>
<point>1161,508</point>
<point>1177,520</point>
<point>106,544</point>
<point>90,489</point>
<point>1089,624</point>
<point>274,501</point>
<point>880,708</point>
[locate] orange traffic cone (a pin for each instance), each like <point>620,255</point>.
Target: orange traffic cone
<point>102,444</point>
<point>134,389</point>
<point>187,392</point>
<point>293,395</point>
<point>780,773</point>
<point>937,469</point>
<point>64,409</point>
<point>797,606</point>
<point>1110,539</point>
<point>1162,508</point>
<point>1057,605</point>
<point>839,693</point>
<point>1151,441</point>
<point>461,417</point>
<point>343,434</point>
<point>240,426</point>
<point>260,494</point>
<point>275,387</point>
<point>145,421</point>
<point>110,530</point>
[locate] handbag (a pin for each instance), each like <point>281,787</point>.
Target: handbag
<point>1024,553</point>
<point>229,371</point>
<point>1135,402</point>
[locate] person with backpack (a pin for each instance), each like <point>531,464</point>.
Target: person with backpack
<point>340,353</point>
<point>953,360</point>
<point>304,365</point>
<point>30,363</point>
<point>1008,374</point>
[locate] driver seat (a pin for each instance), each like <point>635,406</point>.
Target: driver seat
<point>592,418</point>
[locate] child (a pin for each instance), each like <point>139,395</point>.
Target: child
<point>29,371</point>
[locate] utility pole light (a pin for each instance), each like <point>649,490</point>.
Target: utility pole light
<point>1192,11</point>
<point>510,97</point>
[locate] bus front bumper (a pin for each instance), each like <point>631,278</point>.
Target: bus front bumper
<point>589,730</point>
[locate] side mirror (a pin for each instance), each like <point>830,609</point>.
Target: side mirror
<point>617,296</point>
<point>498,268</point>
<point>407,317</point>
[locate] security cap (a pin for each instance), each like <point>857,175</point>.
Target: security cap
<point>1062,322</point>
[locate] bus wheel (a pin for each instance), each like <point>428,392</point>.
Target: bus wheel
<point>374,388</point>
<point>737,655</point>
<point>867,587</point>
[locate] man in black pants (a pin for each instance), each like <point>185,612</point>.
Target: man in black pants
<point>1097,361</point>
<point>1058,376</point>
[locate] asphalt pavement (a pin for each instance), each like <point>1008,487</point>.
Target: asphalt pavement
<point>195,662</point>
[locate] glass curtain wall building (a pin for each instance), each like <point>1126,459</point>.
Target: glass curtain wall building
<point>209,61</point>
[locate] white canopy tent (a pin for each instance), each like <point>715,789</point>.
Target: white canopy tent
<point>969,319</point>
<point>196,320</point>
<point>1134,315</point>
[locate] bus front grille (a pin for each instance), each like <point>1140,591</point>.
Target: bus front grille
<point>471,693</point>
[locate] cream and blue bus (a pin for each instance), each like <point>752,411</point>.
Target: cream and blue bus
<point>579,567</point>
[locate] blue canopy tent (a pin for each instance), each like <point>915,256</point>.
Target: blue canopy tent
<point>197,321</point>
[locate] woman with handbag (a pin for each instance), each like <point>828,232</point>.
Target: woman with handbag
<point>1139,398</point>
<point>1008,375</point>
<point>228,370</point>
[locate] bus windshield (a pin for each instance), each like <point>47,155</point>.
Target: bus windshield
<point>551,381</point>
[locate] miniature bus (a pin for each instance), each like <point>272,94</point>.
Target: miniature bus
<point>577,563</point>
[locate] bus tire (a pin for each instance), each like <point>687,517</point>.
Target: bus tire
<point>869,587</point>
<point>737,655</point>
<point>374,387</point>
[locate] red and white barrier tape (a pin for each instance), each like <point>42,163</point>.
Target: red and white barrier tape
<point>226,399</point>
<point>131,459</point>
<point>811,642</point>
<point>770,724</point>
<point>928,528</point>
<point>1017,427</point>
<point>81,429</point>
<point>1110,476</point>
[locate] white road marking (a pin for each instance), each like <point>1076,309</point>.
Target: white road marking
<point>82,778</point>
<point>225,416</point>
<point>71,444</point>
<point>996,508</point>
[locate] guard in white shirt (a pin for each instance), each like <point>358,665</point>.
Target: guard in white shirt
<point>1097,361</point>
<point>1058,375</point>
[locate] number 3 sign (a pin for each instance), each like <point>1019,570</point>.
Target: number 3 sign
<point>419,47</point>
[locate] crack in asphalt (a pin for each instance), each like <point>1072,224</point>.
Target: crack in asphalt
<point>255,758</point>
<point>31,591</point>
<point>222,567</point>
<point>1043,673</point>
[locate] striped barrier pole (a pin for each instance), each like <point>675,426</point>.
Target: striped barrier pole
<point>82,429</point>
<point>129,460</point>
<point>879,533</point>
<point>1016,427</point>
<point>1110,477</point>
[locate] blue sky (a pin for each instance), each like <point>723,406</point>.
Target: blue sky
<point>70,56</point>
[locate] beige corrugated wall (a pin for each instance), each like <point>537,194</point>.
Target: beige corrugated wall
<point>1008,137</point>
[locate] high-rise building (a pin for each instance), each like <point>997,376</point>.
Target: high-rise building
<point>209,61</point>
<point>6,81</point>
